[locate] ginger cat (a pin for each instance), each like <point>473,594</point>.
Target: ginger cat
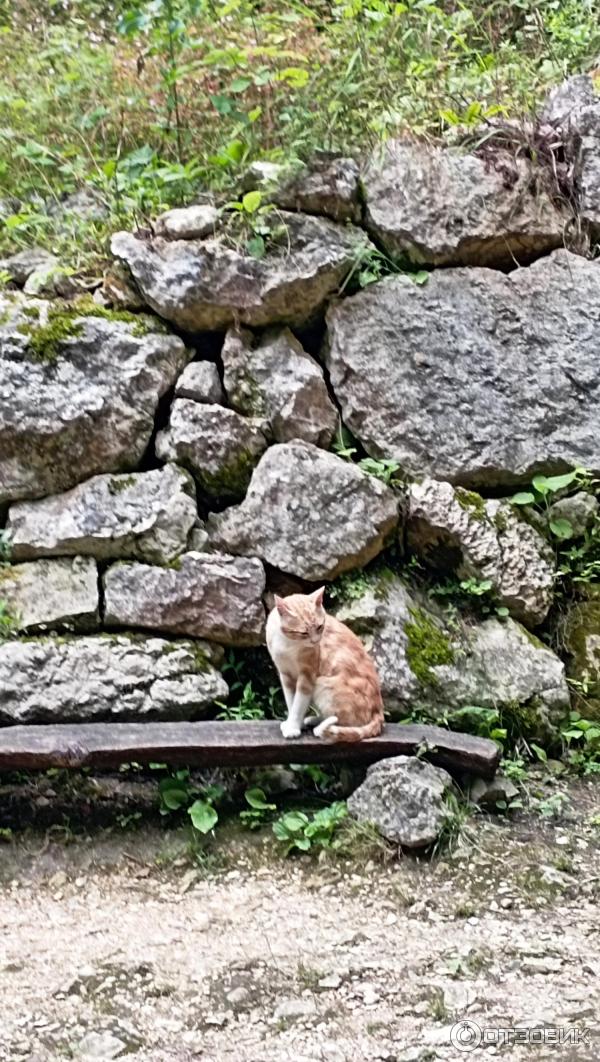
<point>321,661</point>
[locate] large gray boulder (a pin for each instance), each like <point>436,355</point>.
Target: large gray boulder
<point>63,680</point>
<point>204,285</point>
<point>78,392</point>
<point>218,446</point>
<point>273,377</point>
<point>206,595</point>
<point>404,798</point>
<point>143,516</point>
<point>308,513</point>
<point>477,377</point>
<point>573,109</point>
<point>455,529</point>
<point>444,207</point>
<point>53,594</point>
<point>423,661</point>
<point>505,666</point>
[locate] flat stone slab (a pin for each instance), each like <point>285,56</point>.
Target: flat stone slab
<point>65,680</point>
<point>143,516</point>
<point>206,595</point>
<point>53,594</point>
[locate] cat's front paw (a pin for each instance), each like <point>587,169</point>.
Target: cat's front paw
<point>289,730</point>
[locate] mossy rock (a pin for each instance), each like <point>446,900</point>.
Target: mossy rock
<point>428,646</point>
<point>65,321</point>
<point>232,479</point>
<point>469,499</point>
<point>582,640</point>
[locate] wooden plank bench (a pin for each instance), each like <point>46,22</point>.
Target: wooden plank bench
<point>228,744</point>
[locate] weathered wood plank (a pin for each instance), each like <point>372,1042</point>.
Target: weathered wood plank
<point>227,744</point>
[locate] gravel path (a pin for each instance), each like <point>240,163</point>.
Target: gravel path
<point>112,946</point>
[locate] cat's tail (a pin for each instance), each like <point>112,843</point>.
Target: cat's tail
<point>328,730</point>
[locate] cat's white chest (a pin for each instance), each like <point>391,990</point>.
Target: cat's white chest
<point>283,652</point>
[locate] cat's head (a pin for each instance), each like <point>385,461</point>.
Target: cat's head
<point>302,616</point>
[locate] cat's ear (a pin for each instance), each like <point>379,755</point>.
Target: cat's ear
<point>317,596</point>
<point>280,605</point>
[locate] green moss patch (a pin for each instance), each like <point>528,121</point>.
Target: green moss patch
<point>469,499</point>
<point>120,483</point>
<point>233,478</point>
<point>428,647</point>
<point>65,322</point>
<point>44,341</point>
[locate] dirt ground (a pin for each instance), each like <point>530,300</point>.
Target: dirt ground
<point>115,945</point>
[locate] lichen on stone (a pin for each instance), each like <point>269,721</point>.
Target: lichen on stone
<point>44,341</point>
<point>65,322</point>
<point>469,499</point>
<point>233,478</point>
<point>118,484</point>
<point>427,646</point>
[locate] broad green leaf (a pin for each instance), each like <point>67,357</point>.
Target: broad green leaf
<point>561,528</point>
<point>523,498</point>
<point>173,796</point>
<point>540,753</point>
<point>203,816</point>
<point>294,821</point>
<point>256,247</point>
<point>256,799</point>
<point>303,843</point>
<point>295,76</point>
<point>550,484</point>
<point>251,201</point>
<point>240,84</point>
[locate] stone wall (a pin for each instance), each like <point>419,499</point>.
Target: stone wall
<point>170,447</point>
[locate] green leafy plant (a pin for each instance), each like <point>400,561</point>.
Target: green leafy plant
<point>543,491</point>
<point>248,706</point>
<point>9,623</point>
<point>470,593</point>
<point>581,740</point>
<point>304,832</point>
<point>553,806</point>
<point>254,689</point>
<point>344,444</point>
<point>259,810</point>
<point>454,827</point>
<point>178,792</point>
<point>188,91</point>
<point>387,471</point>
<point>486,722</point>
<point>165,24</point>
<point>257,223</point>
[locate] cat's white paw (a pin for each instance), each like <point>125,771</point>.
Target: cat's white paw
<point>289,730</point>
<point>324,729</point>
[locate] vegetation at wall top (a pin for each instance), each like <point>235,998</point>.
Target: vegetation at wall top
<point>156,101</point>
